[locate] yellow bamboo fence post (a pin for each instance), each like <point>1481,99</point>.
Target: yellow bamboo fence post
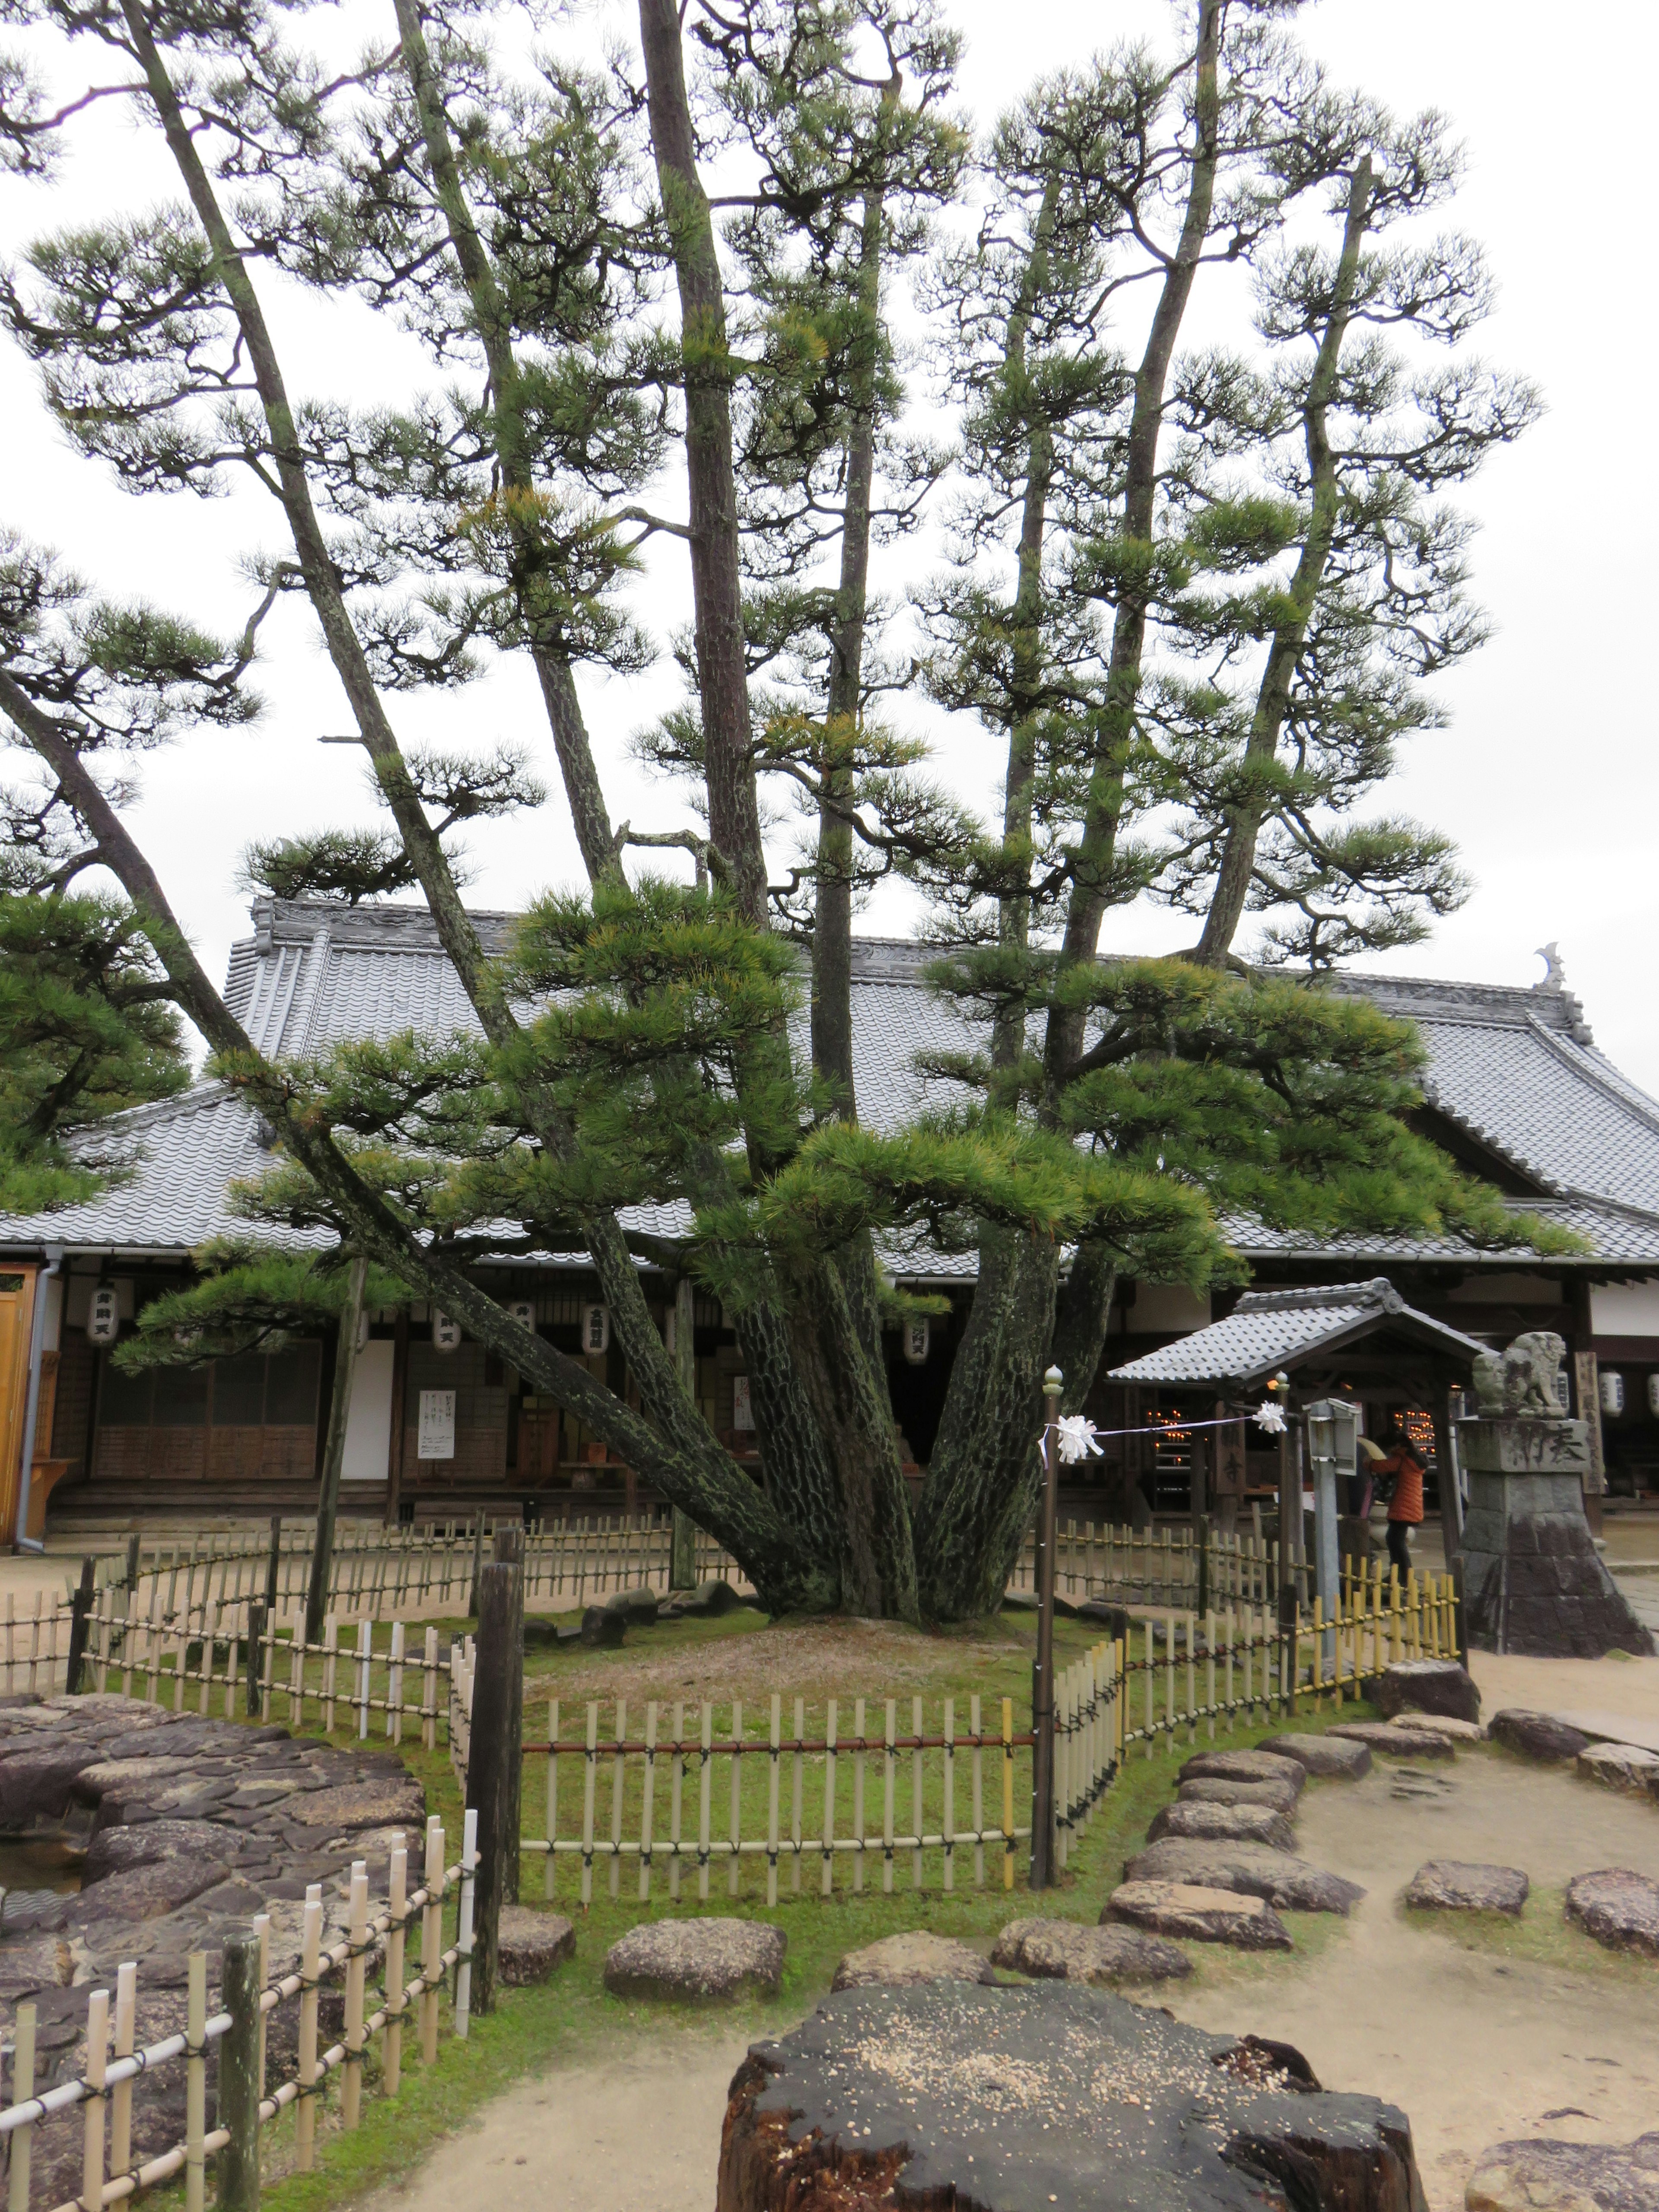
<point>120,2103</point>
<point>310,1964</point>
<point>797,1784</point>
<point>827,1871</point>
<point>916,1790</point>
<point>590,1784</point>
<point>948,1818</point>
<point>734,1863</point>
<point>397,1907</point>
<point>705,1788</point>
<point>432,1938</point>
<point>975,1731</point>
<point>547,1890</point>
<point>618,1764</point>
<point>351,2080</point>
<point>889,1728</point>
<point>648,1804</point>
<point>774,1753</point>
<point>22,2093</point>
<point>859,1762</point>
<point>195,2082</point>
<point>1007,1793</point>
<point>94,2112</point>
<point>676,1799</point>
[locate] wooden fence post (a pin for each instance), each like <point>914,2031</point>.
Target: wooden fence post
<point>239,2076</point>
<point>80,1608</point>
<point>256,1645</point>
<point>494,1758</point>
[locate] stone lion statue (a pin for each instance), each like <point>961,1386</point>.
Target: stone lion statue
<point>1523,1379</point>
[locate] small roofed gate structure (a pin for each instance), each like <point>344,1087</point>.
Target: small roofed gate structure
<point>1356,1342</point>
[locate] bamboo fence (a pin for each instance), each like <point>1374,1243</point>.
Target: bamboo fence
<point>103,2094</point>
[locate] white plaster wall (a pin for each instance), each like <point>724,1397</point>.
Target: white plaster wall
<point>1625,1308</point>
<point>369,1425</point>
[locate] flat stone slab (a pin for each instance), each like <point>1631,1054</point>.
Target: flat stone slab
<point>1236,1824</point>
<point>1466,1885</point>
<point>1068,1951</point>
<point>1619,1907</point>
<point>896,1962</point>
<point>1328,1757</point>
<point>1426,1685</point>
<point>1566,2177</point>
<point>1250,1869</point>
<point>1017,2100</point>
<point>1535,1735</point>
<point>1211,1790</point>
<point>1624,1766</point>
<point>396,1802</point>
<point>696,1959</point>
<point>532,1944</point>
<point>1202,1915</point>
<point>1456,1731</point>
<point>1244,1766</point>
<point>1394,1741</point>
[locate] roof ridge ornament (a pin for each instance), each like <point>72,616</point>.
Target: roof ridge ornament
<point>1554,977</point>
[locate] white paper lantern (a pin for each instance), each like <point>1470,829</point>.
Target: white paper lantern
<point>104,1316</point>
<point>446,1334</point>
<point>596,1328</point>
<point>916,1337</point>
<point>1612,1392</point>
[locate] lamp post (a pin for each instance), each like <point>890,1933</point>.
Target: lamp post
<point>1042,1675</point>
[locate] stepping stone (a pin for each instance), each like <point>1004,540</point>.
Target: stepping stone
<point>1023,2100</point>
<point>1617,1907</point>
<point>1535,1735</point>
<point>1244,1766</point>
<point>696,1959</point>
<point>1321,1755</point>
<point>1066,1951</point>
<point>1625,1766</point>
<point>531,1944</point>
<point>1464,1886</point>
<point>1397,1743</point>
<point>1211,1790</point>
<point>1201,1914</point>
<point>1233,1824</point>
<point>917,1956</point>
<point>1566,2177</point>
<point>1426,1685</point>
<point>1439,1724</point>
<point>1251,1869</point>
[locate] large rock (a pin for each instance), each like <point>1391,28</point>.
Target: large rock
<point>1455,1731</point>
<point>696,1959</point>
<point>1426,1685</point>
<point>1395,1741</point>
<point>1066,1951</point>
<point>1466,1885</point>
<point>1250,1869</point>
<point>1327,1756</point>
<point>1201,1915</point>
<point>1211,1790</point>
<point>1541,2176</point>
<point>394,1801</point>
<point>532,1944</point>
<point>1051,2094</point>
<point>1625,1766</point>
<point>1244,1766</point>
<point>1619,1907</point>
<point>1535,1735</point>
<point>914,1956</point>
<point>36,1962</point>
<point>146,1893</point>
<point>1235,1824</point>
<point>113,1850</point>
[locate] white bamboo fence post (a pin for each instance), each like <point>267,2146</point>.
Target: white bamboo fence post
<point>552,1797</point>
<point>464,1927</point>
<point>977,1734</point>
<point>917,1791</point>
<point>22,2093</point>
<point>618,1776</point>
<point>705,1789</point>
<point>432,1938</point>
<point>429,1691</point>
<point>396,1999</point>
<point>859,1761</point>
<point>648,1806</point>
<point>330,1643</point>
<point>365,1653</point>
<point>798,1781</point>
<point>195,2082</point>
<point>826,1870</point>
<point>676,1799</point>
<point>92,2111</point>
<point>120,2103</point>
<point>888,1758</point>
<point>734,1863</point>
<point>311,1941</point>
<point>948,1818</point>
<point>394,1694</point>
<point>262,1934</point>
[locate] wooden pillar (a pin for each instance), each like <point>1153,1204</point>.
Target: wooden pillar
<point>683,1540</point>
<point>1451,1502</point>
<point>492,1762</point>
<point>1587,1401</point>
<point>394,1458</point>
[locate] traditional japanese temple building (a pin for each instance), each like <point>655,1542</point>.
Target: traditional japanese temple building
<point>1515,1091</point>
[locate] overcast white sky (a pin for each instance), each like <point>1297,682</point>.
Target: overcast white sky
<point>1545,775</point>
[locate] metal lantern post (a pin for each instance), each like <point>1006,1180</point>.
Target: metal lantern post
<point>1042,1675</point>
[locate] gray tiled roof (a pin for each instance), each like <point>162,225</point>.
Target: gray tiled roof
<point>1515,1068</point>
<point>1269,1329</point>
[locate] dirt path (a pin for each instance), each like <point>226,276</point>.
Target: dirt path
<point>1476,2046</point>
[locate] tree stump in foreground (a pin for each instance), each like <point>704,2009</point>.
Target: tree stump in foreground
<point>953,2095</point>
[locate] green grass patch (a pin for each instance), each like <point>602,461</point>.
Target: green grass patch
<point>1542,1936</point>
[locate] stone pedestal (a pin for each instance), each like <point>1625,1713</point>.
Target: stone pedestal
<point>1532,1581</point>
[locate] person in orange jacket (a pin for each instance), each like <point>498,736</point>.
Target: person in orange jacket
<point>1401,1465</point>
